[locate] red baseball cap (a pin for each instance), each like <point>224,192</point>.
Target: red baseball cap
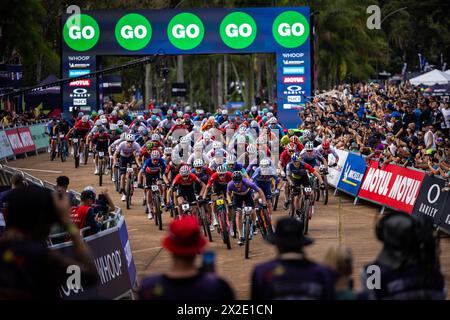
<point>184,237</point>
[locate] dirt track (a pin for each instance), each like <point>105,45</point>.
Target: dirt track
<point>338,222</point>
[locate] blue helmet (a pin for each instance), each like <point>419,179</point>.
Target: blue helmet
<point>237,113</point>
<point>295,158</point>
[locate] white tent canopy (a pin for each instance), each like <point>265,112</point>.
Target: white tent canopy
<point>448,71</point>
<point>431,78</point>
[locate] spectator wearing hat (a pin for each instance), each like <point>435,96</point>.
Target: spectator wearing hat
<point>103,203</point>
<point>408,264</point>
<point>28,268</point>
<point>84,215</point>
<point>184,281</point>
<point>292,275</point>
<point>62,186</point>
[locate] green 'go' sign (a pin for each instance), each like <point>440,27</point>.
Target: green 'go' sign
<point>238,30</point>
<point>81,32</point>
<point>133,32</point>
<point>290,29</point>
<point>185,31</point>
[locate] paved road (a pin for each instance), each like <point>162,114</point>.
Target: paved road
<point>338,222</point>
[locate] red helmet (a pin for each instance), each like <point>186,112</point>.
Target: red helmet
<point>186,116</point>
<point>291,146</point>
<point>326,144</point>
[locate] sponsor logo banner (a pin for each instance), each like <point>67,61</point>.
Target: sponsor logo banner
<point>20,140</point>
<point>80,83</point>
<point>293,70</point>
<point>335,172</point>
<point>293,62</point>
<point>79,102</point>
<point>293,79</point>
<point>77,73</point>
<point>393,186</point>
<point>40,138</point>
<point>431,199</point>
<point>352,174</point>
<point>297,99</point>
<point>79,65</point>
<point>5,147</point>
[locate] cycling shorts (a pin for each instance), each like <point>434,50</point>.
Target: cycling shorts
<point>187,192</point>
<point>240,200</point>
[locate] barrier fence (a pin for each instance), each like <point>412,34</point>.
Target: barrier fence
<point>403,189</point>
<point>110,248</point>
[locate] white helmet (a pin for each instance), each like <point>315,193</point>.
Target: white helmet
<point>85,118</point>
<point>102,117</point>
<point>201,111</point>
<point>306,134</point>
<point>180,114</point>
<point>217,145</point>
<point>113,126</point>
<point>254,108</point>
<point>141,118</point>
<point>185,170</point>
<point>114,113</point>
<point>155,137</point>
<point>273,120</point>
<point>309,146</point>
<point>98,123</point>
<point>198,163</point>
<point>123,136</point>
<point>104,121</point>
<point>221,169</point>
<point>101,112</point>
<point>225,111</point>
<point>168,151</point>
<point>120,123</point>
<point>231,159</point>
<point>207,136</point>
<point>269,115</point>
<point>251,148</point>
<point>129,137</point>
<point>264,163</point>
<point>254,124</point>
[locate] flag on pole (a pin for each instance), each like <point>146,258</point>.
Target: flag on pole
<point>23,103</point>
<point>38,110</point>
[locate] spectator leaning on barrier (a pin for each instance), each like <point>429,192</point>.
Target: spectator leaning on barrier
<point>62,186</point>
<point>103,205</point>
<point>84,215</point>
<point>407,268</point>
<point>292,275</point>
<point>28,269</point>
<point>184,281</point>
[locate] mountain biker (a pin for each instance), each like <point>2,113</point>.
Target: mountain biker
<point>153,169</point>
<point>127,151</point>
<point>310,156</point>
<point>101,141</point>
<point>263,177</point>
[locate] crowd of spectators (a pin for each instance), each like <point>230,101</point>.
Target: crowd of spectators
<point>12,118</point>
<point>393,123</point>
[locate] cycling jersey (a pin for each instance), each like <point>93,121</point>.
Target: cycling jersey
<point>82,126</point>
<point>311,157</point>
<point>285,158</point>
<point>126,151</point>
<point>244,188</point>
<point>114,145</point>
<point>204,174</point>
<point>179,181</point>
<point>152,168</point>
<point>220,179</point>
<point>325,153</point>
<point>172,170</point>
<point>300,172</point>
<point>101,141</point>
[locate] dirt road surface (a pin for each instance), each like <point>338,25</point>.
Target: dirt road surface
<point>338,222</point>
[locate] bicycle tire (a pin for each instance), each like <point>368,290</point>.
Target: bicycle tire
<point>63,153</point>
<point>117,174</point>
<point>100,173</point>
<point>205,223</point>
<point>268,221</point>
<point>76,155</point>
<point>275,203</point>
<point>158,217</point>
<point>86,153</point>
<point>52,154</point>
<point>128,193</point>
<point>225,234</point>
<point>247,236</point>
<point>325,190</point>
<point>261,222</point>
<point>306,210</point>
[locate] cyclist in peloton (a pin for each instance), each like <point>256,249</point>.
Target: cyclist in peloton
<point>80,130</point>
<point>263,178</point>
<point>101,141</point>
<point>203,172</point>
<point>127,152</point>
<point>297,175</point>
<point>310,156</point>
<point>153,168</point>
<point>239,193</point>
<point>325,149</point>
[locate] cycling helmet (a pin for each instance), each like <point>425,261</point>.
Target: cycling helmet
<point>113,126</point>
<point>168,151</point>
<point>185,170</point>
<point>306,134</point>
<point>326,144</point>
<point>120,123</point>
<point>231,159</point>
<point>140,118</point>
<point>264,163</point>
<point>179,114</point>
<point>295,158</point>
<point>273,120</point>
<point>114,113</point>
<point>207,136</point>
<point>144,133</point>
<point>155,137</point>
<point>309,146</point>
<point>123,136</point>
<point>98,123</point>
<point>251,149</point>
<point>129,137</point>
<point>154,117</point>
<point>184,140</point>
<point>102,117</point>
<point>294,139</point>
<point>291,146</point>
<point>101,112</point>
<point>155,154</point>
<point>238,113</point>
<point>217,145</point>
<point>179,121</point>
<point>85,119</point>
<point>254,109</point>
<point>224,112</point>
<point>269,115</point>
<point>254,124</point>
<point>242,129</point>
<point>201,111</point>
<point>149,145</point>
<point>221,169</point>
<point>237,176</point>
<point>80,114</point>
<point>104,121</point>
<point>198,163</point>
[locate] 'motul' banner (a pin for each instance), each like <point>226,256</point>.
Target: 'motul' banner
<point>393,186</point>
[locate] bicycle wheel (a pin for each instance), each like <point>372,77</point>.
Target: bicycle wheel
<point>158,217</point>
<point>261,222</point>
<point>100,172</point>
<point>52,153</point>
<point>316,190</point>
<point>268,221</point>
<point>86,153</point>
<point>325,190</point>
<point>76,155</point>
<point>225,234</point>
<point>128,193</point>
<point>247,236</point>
<point>117,174</point>
<point>306,214</point>
<point>62,152</point>
<point>275,202</point>
<point>205,222</point>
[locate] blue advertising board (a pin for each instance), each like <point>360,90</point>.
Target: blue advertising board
<point>352,174</point>
<point>284,31</point>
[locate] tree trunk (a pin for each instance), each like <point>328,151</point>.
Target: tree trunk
<point>259,66</point>
<point>148,82</point>
<point>213,83</point>
<point>225,78</point>
<point>236,75</point>
<point>219,83</point>
<point>269,77</point>
<point>39,69</point>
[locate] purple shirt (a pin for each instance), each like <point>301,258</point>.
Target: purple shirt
<point>244,188</point>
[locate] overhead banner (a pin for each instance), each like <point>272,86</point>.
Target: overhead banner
<point>39,137</point>
<point>5,148</point>
<point>27,139</point>
<point>284,31</point>
<point>431,199</point>
<point>352,174</point>
<point>393,186</point>
<point>335,172</point>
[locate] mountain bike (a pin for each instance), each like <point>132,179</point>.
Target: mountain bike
<point>156,199</point>
<point>102,166</point>
<point>62,147</point>
<point>224,225</point>
<point>247,227</point>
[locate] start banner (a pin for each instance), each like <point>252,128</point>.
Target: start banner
<point>335,172</point>
<point>393,186</point>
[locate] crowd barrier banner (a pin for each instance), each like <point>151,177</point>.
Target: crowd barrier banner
<point>335,172</point>
<point>112,266</point>
<point>123,233</point>
<point>392,186</point>
<point>352,174</point>
<point>5,148</point>
<point>431,199</point>
<point>27,139</point>
<point>443,216</point>
<point>15,141</point>
<point>39,137</point>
